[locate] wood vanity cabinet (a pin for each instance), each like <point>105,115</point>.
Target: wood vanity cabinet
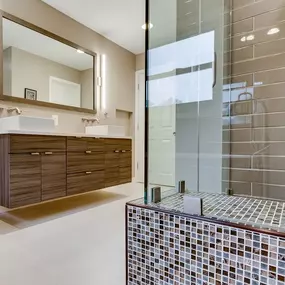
<point>25,180</point>
<point>37,168</point>
<point>118,161</point>
<point>85,165</point>
<point>34,169</point>
<point>53,175</point>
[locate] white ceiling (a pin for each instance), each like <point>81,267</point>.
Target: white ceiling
<point>30,41</point>
<point>117,20</point>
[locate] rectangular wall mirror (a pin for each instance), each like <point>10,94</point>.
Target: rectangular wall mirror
<point>39,68</point>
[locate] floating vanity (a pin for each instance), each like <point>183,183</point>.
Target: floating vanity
<point>237,241</point>
<point>36,167</point>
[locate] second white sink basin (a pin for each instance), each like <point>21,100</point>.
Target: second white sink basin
<point>25,123</point>
<point>106,130</point>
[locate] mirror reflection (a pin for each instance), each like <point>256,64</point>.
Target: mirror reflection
<point>37,67</point>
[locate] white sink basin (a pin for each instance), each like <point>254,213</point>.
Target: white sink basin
<point>106,130</point>
<point>24,123</point>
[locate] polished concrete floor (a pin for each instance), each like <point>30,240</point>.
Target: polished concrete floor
<point>73,241</point>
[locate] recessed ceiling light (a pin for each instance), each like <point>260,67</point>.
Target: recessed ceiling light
<point>80,51</point>
<point>273,31</point>
<point>250,37</point>
<point>144,26</point>
<point>243,39</point>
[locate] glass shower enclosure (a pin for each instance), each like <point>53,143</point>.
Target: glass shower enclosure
<point>186,66</point>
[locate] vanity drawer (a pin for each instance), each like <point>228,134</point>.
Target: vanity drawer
<point>125,158</point>
<point>32,144</point>
<point>125,175</point>
<point>126,144</point>
<point>112,176</point>
<point>112,159</point>
<point>85,161</point>
<point>83,144</point>
<point>112,145</point>
<point>84,182</point>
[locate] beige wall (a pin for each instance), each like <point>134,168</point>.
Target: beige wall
<point>25,70</point>
<point>86,79</point>
<point>32,71</point>
<point>140,61</point>
<point>7,71</point>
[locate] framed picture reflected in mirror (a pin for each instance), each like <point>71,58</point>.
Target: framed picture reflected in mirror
<point>30,94</point>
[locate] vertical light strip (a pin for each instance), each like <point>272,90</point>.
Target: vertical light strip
<point>98,85</point>
<point>103,88</point>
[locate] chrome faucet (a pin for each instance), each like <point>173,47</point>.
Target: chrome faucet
<point>12,109</point>
<point>91,120</point>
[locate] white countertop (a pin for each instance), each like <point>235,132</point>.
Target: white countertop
<point>39,133</point>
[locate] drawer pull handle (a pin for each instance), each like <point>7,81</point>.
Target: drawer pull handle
<point>88,172</point>
<point>116,151</point>
<point>88,151</point>
<point>48,153</point>
<point>123,151</point>
<point>35,153</point>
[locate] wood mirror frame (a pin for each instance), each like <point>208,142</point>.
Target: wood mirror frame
<point>37,29</point>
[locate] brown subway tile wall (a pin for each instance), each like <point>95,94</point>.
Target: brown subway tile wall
<point>270,18</point>
<point>260,36</point>
<point>239,55</point>
<point>254,140</point>
<point>269,48</point>
<point>242,26</point>
<point>259,176</point>
<point>260,64</point>
<point>270,91</point>
<point>270,191</point>
<point>256,121</point>
<point>240,3</point>
<point>256,8</point>
<point>269,162</point>
<point>270,76</point>
<point>249,148</point>
<point>247,80</point>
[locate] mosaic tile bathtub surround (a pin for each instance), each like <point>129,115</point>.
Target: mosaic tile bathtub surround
<point>259,213</point>
<point>171,249</point>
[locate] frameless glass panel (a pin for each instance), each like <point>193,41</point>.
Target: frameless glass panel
<point>176,50</point>
<point>213,153</point>
<point>186,43</point>
<point>162,88</point>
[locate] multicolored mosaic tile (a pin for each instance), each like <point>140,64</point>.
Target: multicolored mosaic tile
<point>259,213</point>
<point>165,249</point>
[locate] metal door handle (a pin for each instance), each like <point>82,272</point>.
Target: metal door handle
<point>123,151</point>
<point>88,172</point>
<point>88,151</point>
<point>48,153</point>
<point>35,153</point>
<point>215,70</point>
<point>116,151</point>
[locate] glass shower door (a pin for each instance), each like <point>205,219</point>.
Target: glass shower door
<point>184,94</point>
